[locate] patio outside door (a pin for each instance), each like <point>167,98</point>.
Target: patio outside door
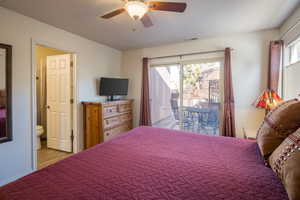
<point>165,96</point>
<point>187,96</point>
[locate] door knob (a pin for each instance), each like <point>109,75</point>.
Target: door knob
<point>48,107</point>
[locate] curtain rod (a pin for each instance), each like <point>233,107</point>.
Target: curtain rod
<point>290,29</point>
<point>190,54</point>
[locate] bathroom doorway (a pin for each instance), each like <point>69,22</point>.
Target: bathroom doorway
<point>55,82</point>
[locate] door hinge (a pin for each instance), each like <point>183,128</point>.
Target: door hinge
<point>72,136</point>
<point>72,101</point>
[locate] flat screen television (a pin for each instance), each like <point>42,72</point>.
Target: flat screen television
<point>111,87</point>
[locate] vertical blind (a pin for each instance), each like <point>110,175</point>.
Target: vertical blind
<point>291,29</point>
<point>179,59</point>
<point>292,81</point>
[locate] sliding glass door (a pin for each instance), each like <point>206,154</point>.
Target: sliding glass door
<point>165,96</point>
<point>187,96</point>
<point>201,97</point>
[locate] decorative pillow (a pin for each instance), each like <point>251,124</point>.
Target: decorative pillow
<point>285,161</point>
<point>277,125</point>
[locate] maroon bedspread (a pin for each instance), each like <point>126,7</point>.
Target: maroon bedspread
<point>156,164</point>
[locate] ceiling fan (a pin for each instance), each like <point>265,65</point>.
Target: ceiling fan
<point>138,9</point>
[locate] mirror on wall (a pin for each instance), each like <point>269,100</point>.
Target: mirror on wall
<point>5,93</point>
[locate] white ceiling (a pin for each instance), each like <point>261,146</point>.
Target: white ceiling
<point>202,18</point>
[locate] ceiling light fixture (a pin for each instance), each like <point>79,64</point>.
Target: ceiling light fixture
<point>136,9</point>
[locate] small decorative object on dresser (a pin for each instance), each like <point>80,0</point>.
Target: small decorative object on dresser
<point>103,121</point>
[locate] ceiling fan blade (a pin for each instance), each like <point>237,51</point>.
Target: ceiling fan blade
<point>167,6</point>
<point>146,20</point>
<point>113,13</point>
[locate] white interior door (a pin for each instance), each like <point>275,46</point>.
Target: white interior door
<point>59,102</point>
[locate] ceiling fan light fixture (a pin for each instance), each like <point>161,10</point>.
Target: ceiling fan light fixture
<point>136,9</point>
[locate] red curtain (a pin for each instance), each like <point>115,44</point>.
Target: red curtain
<point>274,64</point>
<point>145,113</point>
<point>228,118</point>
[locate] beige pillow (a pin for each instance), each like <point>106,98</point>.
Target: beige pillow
<point>285,161</point>
<point>277,125</point>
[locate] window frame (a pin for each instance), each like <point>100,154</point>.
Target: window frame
<point>181,63</point>
<point>288,62</point>
<point>293,51</point>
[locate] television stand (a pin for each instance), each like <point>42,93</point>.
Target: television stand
<point>110,98</point>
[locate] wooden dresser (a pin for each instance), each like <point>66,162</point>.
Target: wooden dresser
<point>104,121</point>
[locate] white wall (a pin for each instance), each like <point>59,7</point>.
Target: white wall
<point>94,60</point>
<point>249,65</point>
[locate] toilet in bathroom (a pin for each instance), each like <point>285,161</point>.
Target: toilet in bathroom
<point>39,132</point>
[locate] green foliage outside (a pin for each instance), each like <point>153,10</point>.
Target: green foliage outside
<point>192,76</point>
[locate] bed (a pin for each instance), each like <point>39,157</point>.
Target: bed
<point>2,122</point>
<point>156,164</point>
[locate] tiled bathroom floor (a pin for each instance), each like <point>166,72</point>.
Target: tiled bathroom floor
<point>48,156</point>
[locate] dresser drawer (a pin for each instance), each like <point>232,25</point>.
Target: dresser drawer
<point>106,120</point>
<point>111,133</point>
<point>92,125</point>
<point>110,122</point>
<point>124,107</point>
<point>125,117</point>
<point>110,110</point>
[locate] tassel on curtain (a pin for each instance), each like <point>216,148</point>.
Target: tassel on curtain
<point>145,113</point>
<point>228,117</point>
